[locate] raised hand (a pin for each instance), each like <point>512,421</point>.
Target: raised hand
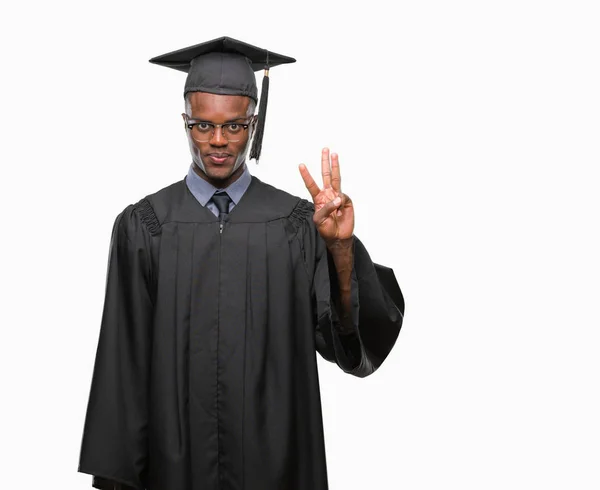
<point>334,212</point>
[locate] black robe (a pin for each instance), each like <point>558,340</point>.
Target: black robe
<point>205,375</point>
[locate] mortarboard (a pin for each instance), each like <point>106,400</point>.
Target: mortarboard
<point>226,66</point>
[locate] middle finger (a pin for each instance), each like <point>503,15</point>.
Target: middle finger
<point>325,168</point>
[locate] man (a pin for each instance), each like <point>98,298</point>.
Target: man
<point>220,291</point>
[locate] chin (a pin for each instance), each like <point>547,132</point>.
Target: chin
<point>217,172</point>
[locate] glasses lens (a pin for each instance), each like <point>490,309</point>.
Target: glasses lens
<point>202,132</point>
<point>233,132</point>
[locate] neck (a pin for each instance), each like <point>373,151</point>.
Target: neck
<point>221,183</point>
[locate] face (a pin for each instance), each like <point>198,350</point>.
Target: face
<point>218,160</point>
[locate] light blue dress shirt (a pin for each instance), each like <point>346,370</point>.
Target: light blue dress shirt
<point>203,190</point>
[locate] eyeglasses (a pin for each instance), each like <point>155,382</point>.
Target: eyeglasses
<point>203,131</point>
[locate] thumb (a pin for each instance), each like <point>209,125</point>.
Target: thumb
<point>323,213</point>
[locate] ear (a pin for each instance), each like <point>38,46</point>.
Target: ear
<point>253,123</point>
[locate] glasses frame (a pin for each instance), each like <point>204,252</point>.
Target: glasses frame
<point>191,122</point>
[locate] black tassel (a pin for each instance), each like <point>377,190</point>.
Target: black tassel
<point>262,114</point>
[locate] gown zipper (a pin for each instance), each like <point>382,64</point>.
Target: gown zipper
<point>221,223</point>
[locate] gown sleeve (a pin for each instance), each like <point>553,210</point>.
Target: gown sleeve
<point>377,303</point>
<point>114,443</point>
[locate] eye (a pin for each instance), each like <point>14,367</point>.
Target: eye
<point>234,128</point>
<point>203,127</point>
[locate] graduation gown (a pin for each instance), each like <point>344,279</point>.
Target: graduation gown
<point>205,376</point>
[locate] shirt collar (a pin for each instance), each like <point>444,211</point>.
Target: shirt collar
<point>203,190</point>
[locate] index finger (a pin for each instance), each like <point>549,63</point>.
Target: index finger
<point>325,168</point>
<point>310,183</point>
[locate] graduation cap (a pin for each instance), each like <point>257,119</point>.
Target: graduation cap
<point>226,66</point>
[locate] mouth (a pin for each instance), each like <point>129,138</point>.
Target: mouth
<point>218,158</point>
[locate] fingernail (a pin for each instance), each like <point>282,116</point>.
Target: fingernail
<point>337,200</point>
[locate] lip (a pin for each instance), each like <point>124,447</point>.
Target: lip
<point>218,158</point>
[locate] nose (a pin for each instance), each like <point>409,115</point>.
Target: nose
<point>217,138</point>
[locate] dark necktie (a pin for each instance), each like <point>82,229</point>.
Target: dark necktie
<point>222,200</point>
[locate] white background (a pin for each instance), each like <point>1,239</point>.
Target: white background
<point>468,135</point>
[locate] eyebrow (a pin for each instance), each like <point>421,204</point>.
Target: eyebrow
<point>228,121</point>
